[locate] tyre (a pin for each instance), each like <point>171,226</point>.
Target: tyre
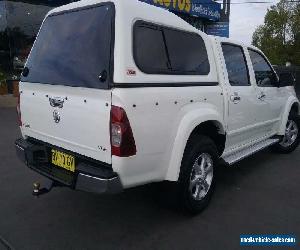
<point>197,174</point>
<point>291,139</point>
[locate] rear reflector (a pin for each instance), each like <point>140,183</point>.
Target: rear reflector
<point>122,140</point>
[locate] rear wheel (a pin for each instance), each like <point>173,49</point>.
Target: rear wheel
<point>291,138</point>
<point>197,175</point>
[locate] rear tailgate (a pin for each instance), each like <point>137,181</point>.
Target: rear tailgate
<point>65,90</point>
<point>81,125</point>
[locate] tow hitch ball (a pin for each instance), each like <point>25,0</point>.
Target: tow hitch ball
<point>37,190</point>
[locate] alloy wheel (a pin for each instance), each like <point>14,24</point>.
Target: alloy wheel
<point>201,176</point>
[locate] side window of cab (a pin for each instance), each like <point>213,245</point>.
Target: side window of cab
<point>236,65</point>
<point>264,74</point>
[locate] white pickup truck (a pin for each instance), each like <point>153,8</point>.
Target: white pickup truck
<point>117,94</point>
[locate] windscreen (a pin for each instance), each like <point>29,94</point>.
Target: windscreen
<point>73,49</point>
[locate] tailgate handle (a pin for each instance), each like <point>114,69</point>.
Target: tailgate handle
<point>56,102</point>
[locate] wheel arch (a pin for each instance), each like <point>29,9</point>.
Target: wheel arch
<point>295,108</point>
<point>214,130</point>
<point>210,125</point>
<point>292,105</point>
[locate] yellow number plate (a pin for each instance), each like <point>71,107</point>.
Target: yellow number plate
<point>63,160</point>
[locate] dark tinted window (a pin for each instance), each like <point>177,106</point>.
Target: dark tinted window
<point>150,53</point>
<point>187,52</point>
<point>73,48</point>
<point>159,50</point>
<point>236,65</point>
<point>264,74</point>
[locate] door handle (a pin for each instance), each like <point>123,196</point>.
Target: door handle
<point>235,98</point>
<point>262,96</point>
<point>56,102</point>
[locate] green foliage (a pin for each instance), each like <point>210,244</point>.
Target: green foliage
<point>279,36</point>
<point>2,76</point>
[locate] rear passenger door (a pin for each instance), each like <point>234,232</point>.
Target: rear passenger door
<point>242,102</point>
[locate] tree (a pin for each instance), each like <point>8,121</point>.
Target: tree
<point>279,36</point>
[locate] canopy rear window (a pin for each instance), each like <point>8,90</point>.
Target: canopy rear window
<point>73,48</point>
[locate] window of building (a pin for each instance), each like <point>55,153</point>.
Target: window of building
<point>160,50</point>
<point>4,43</point>
<point>236,65</point>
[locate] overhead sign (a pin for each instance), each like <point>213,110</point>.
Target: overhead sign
<point>200,8</point>
<point>217,29</point>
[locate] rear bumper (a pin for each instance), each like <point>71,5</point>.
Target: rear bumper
<point>89,175</point>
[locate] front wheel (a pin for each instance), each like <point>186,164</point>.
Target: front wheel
<point>197,174</point>
<point>291,138</point>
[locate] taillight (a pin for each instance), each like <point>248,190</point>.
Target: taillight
<point>19,118</point>
<point>122,140</point>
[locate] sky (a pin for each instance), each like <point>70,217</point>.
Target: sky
<point>244,18</point>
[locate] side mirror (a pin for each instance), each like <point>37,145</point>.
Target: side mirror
<point>286,79</point>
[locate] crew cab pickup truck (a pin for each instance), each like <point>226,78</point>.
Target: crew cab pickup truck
<point>111,99</point>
